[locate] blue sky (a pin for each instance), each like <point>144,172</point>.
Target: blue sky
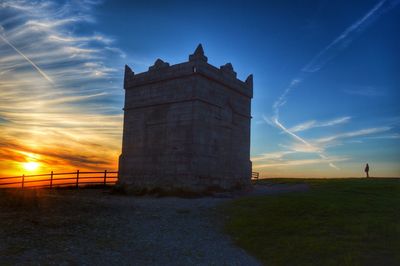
<point>326,80</point>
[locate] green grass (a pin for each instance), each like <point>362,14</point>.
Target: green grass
<point>338,221</point>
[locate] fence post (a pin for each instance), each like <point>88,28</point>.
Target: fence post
<point>23,180</point>
<point>51,179</point>
<point>77,178</point>
<point>105,177</point>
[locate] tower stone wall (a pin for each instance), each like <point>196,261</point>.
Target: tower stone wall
<point>186,128</point>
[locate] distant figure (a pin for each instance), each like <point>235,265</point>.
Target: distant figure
<point>367,170</point>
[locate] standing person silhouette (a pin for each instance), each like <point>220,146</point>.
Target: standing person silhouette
<point>367,170</point>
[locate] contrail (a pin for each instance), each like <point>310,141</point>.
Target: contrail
<point>276,121</point>
<point>327,54</point>
<point>27,59</point>
<point>320,153</point>
<point>337,45</point>
<point>348,35</point>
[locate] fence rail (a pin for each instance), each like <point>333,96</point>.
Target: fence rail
<point>70,179</point>
<point>255,175</point>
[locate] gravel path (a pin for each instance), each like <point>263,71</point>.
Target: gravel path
<point>92,227</point>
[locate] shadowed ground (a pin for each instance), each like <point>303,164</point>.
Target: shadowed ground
<point>91,226</point>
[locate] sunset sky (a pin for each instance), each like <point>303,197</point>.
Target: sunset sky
<point>326,79</point>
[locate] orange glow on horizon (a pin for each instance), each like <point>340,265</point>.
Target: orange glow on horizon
<point>58,159</point>
<point>30,166</point>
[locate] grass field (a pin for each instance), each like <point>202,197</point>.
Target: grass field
<point>338,221</point>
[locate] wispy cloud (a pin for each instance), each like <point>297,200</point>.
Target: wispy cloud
<point>366,91</point>
<point>314,124</point>
<point>388,136</point>
<point>305,145</point>
<point>284,129</point>
<point>322,58</point>
<point>352,134</point>
<point>282,158</point>
<point>349,35</point>
<point>335,47</point>
<point>27,59</point>
<point>329,161</point>
<point>318,146</point>
<point>60,90</point>
<point>278,155</point>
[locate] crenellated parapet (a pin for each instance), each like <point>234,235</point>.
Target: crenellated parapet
<point>158,64</point>
<point>197,65</point>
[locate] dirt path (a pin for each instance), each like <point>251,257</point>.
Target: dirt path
<point>95,228</point>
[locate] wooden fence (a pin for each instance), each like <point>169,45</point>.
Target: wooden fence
<point>71,179</point>
<point>255,175</point>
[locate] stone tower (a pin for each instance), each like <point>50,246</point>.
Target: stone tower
<point>186,128</point>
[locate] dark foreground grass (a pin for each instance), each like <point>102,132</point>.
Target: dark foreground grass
<point>338,221</point>
<point>38,225</point>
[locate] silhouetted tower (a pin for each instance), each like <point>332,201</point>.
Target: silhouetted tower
<point>186,127</point>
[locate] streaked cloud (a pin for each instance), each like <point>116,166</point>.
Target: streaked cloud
<point>322,58</point>
<point>278,155</point>
<point>337,45</point>
<point>366,91</point>
<point>317,146</point>
<point>342,41</point>
<point>351,134</point>
<point>387,136</point>
<point>27,59</point>
<point>284,158</point>
<point>290,163</point>
<point>314,124</point>
<point>306,145</point>
<point>60,88</point>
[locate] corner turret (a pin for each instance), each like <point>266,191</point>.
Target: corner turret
<point>249,81</point>
<point>128,74</point>
<point>198,55</point>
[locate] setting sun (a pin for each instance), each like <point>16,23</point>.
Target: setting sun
<point>30,166</point>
